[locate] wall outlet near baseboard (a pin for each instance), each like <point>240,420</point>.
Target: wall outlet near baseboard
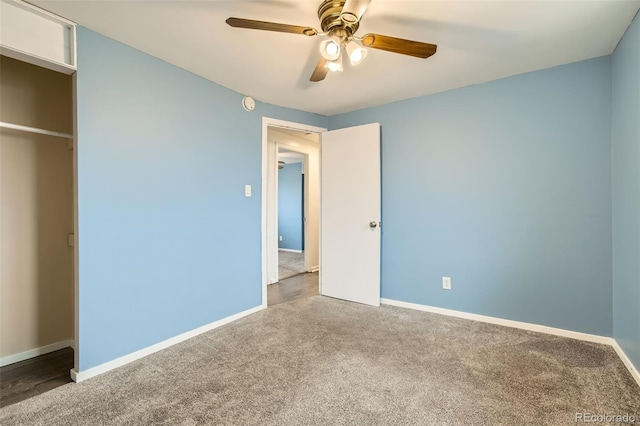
<point>280,238</point>
<point>446,283</point>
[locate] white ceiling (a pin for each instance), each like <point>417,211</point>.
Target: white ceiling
<point>477,40</point>
<point>289,157</point>
<point>290,137</point>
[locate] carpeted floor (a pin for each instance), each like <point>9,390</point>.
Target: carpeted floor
<point>290,264</point>
<point>319,361</point>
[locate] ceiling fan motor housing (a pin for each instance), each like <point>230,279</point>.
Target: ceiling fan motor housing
<point>331,23</point>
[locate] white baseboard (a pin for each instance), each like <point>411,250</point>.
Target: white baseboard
<point>315,268</point>
<point>627,362</point>
<point>79,376</point>
<point>499,321</point>
<point>594,338</point>
<point>290,250</point>
<point>36,352</point>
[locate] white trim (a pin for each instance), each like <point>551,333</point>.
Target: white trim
<point>315,268</point>
<point>274,122</point>
<point>44,13</point>
<point>76,227</point>
<point>626,361</point>
<point>36,352</point>
<point>266,123</point>
<point>29,57</point>
<point>290,250</point>
<point>37,60</point>
<point>30,129</point>
<point>499,321</point>
<point>79,376</point>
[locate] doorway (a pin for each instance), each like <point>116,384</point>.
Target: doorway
<point>291,214</point>
<point>297,144</point>
<point>348,239</point>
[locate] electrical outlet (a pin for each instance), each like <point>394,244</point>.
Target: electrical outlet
<point>446,283</point>
<point>280,238</point>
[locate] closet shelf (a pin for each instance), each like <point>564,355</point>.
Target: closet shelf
<point>35,130</point>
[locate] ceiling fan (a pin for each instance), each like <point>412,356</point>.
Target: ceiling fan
<point>339,20</point>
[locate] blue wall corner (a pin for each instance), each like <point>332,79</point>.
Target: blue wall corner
<point>506,188</point>
<point>290,200</point>
<point>626,192</point>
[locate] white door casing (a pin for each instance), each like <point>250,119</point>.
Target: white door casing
<point>350,214</point>
<point>269,219</point>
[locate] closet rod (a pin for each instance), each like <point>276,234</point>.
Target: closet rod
<point>35,130</point>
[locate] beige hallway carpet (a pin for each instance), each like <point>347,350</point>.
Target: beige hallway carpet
<point>322,361</point>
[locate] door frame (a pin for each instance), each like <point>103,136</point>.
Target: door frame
<point>76,239</point>
<point>311,202</point>
<point>269,229</point>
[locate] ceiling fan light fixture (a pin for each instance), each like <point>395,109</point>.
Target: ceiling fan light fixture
<point>335,66</point>
<point>330,49</point>
<point>339,24</point>
<point>356,52</point>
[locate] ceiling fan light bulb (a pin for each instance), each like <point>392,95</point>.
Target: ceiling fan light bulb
<point>356,56</point>
<point>356,53</point>
<point>334,66</point>
<point>330,50</point>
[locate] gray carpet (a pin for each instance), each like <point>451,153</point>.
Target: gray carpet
<point>324,361</point>
<point>289,264</point>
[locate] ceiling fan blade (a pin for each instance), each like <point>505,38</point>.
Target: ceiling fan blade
<point>353,10</point>
<point>271,26</point>
<point>320,72</point>
<point>399,45</point>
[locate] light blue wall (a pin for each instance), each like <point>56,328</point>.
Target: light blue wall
<point>290,206</point>
<point>167,240</point>
<point>506,188</point>
<point>626,193</point>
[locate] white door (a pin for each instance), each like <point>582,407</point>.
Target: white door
<point>350,214</point>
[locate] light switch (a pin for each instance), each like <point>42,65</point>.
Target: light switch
<point>247,190</point>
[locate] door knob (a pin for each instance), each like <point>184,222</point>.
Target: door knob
<point>373,224</point>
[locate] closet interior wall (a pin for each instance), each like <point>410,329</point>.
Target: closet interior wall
<point>36,209</point>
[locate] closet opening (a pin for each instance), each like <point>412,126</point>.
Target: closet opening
<point>37,209</point>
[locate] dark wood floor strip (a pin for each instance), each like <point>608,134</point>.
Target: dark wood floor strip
<point>31,377</point>
<point>297,287</point>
